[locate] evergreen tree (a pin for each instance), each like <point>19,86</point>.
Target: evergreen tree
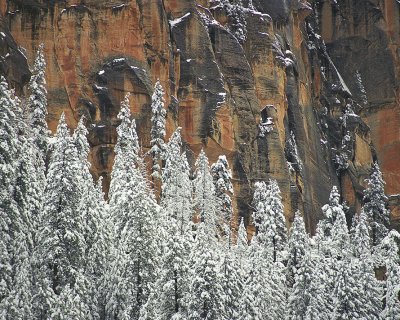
<point>332,234</point>
<point>360,239</point>
<point>232,283</point>
<point>157,129</point>
<point>91,207</point>
<point>301,293</point>
<point>392,307</point>
<point>8,209</point>
<point>206,297</point>
<point>18,304</point>
<point>375,205</point>
<point>205,200</point>
<point>176,186</point>
<point>392,294</point>
<point>370,287</point>
<point>357,292</point>
<point>270,220</point>
<point>167,300</point>
<point>224,191</point>
<point>252,302</point>
<point>37,102</point>
<point>320,305</point>
<point>135,214</point>
<point>61,249</point>
<point>298,245</point>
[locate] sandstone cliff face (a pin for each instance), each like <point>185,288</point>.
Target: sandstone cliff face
<point>312,67</point>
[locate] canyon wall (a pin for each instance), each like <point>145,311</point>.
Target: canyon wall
<point>323,75</point>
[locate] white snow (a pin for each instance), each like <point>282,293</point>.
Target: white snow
<point>101,72</point>
<point>3,35</point>
<point>99,87</point>
<point>173,23</point>
<point>119,6</point>
<point>119,60</point>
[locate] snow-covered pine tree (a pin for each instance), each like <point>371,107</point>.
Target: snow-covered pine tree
<point>371,288</point>
<point>167,300</point>
<point>16,226</point>
<point>252,306</point>
<point>99,250</point>
<point>61,244</point>
<point>176,186</point>
<point>8,157</point>
<point>18,304</point>
<point>360,237</point>
<point>231,282</point>
<point>242,246</point>
<point>357,293</point>
<point>91,204</point>
<point>205,200</point>
<point>264,288</point>
<point>392,290</point>
<point>206,299</point>
<point>332,234</point>
<point>157,129</point>
<point>135,215</point>
<point>270,220</point>
<point>392,303</point>
<point>222,176</point>
<point>320,305</point>
<point>301,293</point>
<point>37,102</point>
<point>27,194</point>
<point>96,234</point>
<point>298,245</point>
<point>375,206</point>
<point>331,244</point>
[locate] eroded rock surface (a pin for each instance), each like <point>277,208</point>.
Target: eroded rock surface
<point>325,73</point>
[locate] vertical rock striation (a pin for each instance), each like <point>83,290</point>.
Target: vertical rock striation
<point>323,75</point>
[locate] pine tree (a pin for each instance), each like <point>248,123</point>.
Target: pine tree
<point>37,102</point>
<point>242,246</point>
<point>8,157</point>
<point>167,301</point>
<point>135,215</point>
<point>371,288</point>
<point>168,297</point>
<point>298,245</point>
<point>232,283</point>
<point>252,302</point>
<point>206,297</point>
<point>205,200</point>
<point>18,304</point>
<point>320,305</point>
<point>224,191</point>
<point>375,206</point>
<point>157,129</point>
<point>301,293</point>
<point>176,186</point>
<point>332,233</point>
<point>270,220</point>
<point>360,239</point>
<point>96,234</point>
<point>392,294</point>
<point>357,292</point>
<point>61,244</point>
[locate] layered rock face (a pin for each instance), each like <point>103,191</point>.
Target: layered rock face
<point>323,75</point>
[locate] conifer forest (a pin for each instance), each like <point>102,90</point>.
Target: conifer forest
<point>163,243</point>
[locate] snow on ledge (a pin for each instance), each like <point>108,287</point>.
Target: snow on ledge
<point>173,23</point>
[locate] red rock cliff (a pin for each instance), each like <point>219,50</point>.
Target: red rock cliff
<point>225,71</point>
